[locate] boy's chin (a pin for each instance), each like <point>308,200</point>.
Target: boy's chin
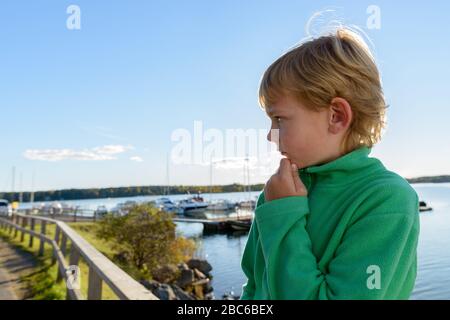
<point>299,163</point>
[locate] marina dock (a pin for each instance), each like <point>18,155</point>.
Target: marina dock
<point>220,224</point>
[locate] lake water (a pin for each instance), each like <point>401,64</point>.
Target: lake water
<point>433,275</point>
<point>224,251</point>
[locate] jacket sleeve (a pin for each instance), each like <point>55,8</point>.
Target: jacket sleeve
<point>375,259</point>
<point>248,258</point>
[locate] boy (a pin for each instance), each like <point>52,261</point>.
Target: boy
<point>332,223</point>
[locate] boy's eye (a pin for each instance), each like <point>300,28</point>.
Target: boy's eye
<point>277,119</point>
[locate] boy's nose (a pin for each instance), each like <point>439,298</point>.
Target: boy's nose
<point>273,136</point>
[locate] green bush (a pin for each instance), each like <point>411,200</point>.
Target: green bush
<point>146,238</point>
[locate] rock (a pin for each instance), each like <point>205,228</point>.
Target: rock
<point>186,278</point>
<point>209,296</point>
<point>200,282</point>
<point>230,296</point>
<point>150,284</point>
<point>160,290</point>
<point>199,274</point>
<point>166,273</point>
<point>180,294</point>
<point>165,292</point>
<point>198,290</point>
<point>193,283</point>
<point>183,266</point>
<point>208,288</point>
<point>200,264</point>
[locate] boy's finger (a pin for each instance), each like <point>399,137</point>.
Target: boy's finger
<point>285,168</point>
<point>299,187</point>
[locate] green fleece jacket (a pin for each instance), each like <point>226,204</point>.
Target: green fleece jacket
<point>353,237</point>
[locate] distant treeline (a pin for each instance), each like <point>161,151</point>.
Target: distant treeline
<point>433,179</point>
<point>80,194</point>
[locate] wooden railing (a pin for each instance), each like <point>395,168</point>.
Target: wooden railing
<point>101,269</point>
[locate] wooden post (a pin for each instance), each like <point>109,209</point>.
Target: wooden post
<point>94,285</point>
<point>73,261</point>
<point>57,232</point>
<point>24,224</point>
<point>74,256</point>
<point>42,242</point>
<point>9,226</point>
<point>64,244</point>
<point>63,248</point>
<point>32,228</point>
<point>15,229</point>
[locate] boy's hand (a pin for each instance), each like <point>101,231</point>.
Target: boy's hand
<point>284,183</point>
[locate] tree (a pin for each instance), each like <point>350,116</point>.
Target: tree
<point>147,238</point>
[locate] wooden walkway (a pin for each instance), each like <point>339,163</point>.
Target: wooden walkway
<point>101,269</point>
<point>14,264</point>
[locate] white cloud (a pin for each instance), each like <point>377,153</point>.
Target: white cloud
<point>112,149</point>
<point>137,159</point>
<point>103,153</point>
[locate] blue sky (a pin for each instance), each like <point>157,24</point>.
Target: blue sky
<point>112,93</point>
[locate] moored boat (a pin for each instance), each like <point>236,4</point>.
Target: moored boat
<point>193,206</point>
<point>222,205</point>
<point>240,225</point>
<point>424,207</point>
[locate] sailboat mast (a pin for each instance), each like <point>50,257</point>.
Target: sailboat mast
<point>21,188</point>
<point>210,179</point>
<point>248,179</point>
<point>13,183</point>
<point>167,176</point>
<point>32,187</point>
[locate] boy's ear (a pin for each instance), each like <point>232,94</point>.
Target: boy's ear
<point>341,115</point>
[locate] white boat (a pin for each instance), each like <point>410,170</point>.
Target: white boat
<point>424,207</point>
<point>5,208</point>
<point>240,225</point>
<point>221,205</point>
<point>52,208</point>
<point>123,208</point>
<point>101,211</point>
<point>192,206</point>
<point>37,208</point>
<point>167,205</point>
<point>248,204</point>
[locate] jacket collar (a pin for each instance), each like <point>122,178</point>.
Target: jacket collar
<point>344,170</point>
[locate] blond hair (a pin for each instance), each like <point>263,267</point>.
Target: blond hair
<point>335,65</point>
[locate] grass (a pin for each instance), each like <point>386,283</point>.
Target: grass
<point>42,281</point>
